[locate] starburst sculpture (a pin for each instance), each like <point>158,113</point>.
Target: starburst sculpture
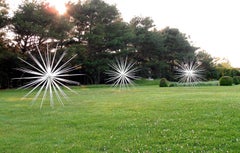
<point>189,73</point>
<point>47,75</point>
<point>122,73</point>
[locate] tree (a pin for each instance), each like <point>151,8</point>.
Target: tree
<point>144,23</point>
<point>76,12</point>
<point>4,21</point>
<point>148,47</point>
<point>60,29</point>
<point>176,48</point>
<point>92,21</point>
<point>34,23</point>
<point>223,68</point>
<point>207,63</point>
<point>90,16</point>
<point>31,24</point>
<point>3,14</point>
<point>118,37</point>
<point>8,61</point>
<point>222,62</point>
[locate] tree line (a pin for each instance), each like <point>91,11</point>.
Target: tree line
<point>96,32</point>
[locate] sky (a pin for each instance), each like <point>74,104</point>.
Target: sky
<point>213,25</point>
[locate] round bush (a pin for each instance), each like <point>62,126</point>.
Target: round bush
<point>236,80</point>
<point>163,82</point>
<point>226,81</point>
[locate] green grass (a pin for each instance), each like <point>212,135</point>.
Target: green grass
<point>140,119</point>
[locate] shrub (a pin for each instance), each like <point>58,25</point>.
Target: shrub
<point>226,81</point>
<point>145,82</point>
<point>236,80</point>
<point>163,82</point>
<point>172,85</point>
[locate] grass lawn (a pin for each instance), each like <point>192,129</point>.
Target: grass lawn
<point>141,119</point>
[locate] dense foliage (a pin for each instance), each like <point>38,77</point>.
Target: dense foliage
<point>226,81</point>
<point>236,80</point>
<point>163,82</point>
<point>96,32</point>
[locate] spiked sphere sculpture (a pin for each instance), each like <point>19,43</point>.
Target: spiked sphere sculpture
<point>122,73</point>
<point>47,76</point>
<point>189,73</point>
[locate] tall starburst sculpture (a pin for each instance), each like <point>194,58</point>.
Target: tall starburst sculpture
<point>47,75</point>
<point>189,73</point>
<point>122,73</point>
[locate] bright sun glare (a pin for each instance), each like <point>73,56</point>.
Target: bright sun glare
<point>59,5</point>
